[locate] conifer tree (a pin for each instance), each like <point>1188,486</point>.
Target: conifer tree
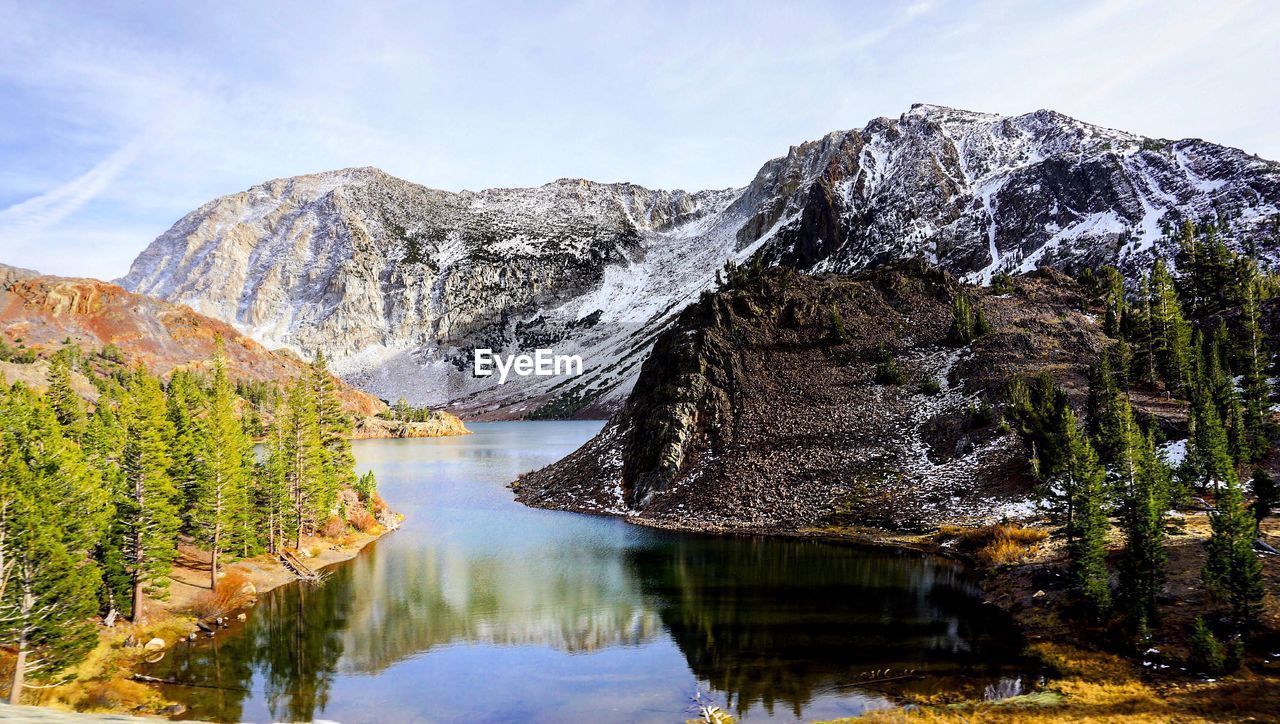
<point>1107,408</point>
<point>62,396</point>
<point>1084,488</point>
<point>1189,264</point>
<point>1208,464</point>
<point>104,449</point>
<point>187,446</point>
<point>222,503</point>
<point>1114,299</point>
<point>1169,331</point>
<point>147,506</point>
<point>367,487</point>
<point>273,490</point>
<point>335,433</point>
<point>1231,567</point>
<point>304,467</point>
<point>52,510</point>
<point>1140,333</point>
<point>1255,359</point>
<point>1142,481</point>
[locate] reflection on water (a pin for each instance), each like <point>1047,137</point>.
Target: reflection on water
<point>482,610</point>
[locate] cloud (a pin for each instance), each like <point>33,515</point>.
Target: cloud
<point>24,221</point>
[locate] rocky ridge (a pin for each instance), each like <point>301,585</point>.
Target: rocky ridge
<point>755,412</point>
<point>399,282</point>
<point>42,313</point>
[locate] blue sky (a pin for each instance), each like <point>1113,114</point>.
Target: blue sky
<point>118,118</point>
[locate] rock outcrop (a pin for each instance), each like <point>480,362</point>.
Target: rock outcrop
<point>793,400</point>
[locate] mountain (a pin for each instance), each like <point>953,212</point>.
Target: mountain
<point>398,282</point>
<point>758,410</point>
<point>42,313</point>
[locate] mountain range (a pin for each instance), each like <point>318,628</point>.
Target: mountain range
<point>398,282</point>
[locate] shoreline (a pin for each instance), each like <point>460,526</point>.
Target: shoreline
<point>1090,677</point>
<point>1090,674</point>
<point>105,682</point>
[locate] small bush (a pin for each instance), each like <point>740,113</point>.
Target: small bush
<point>889,373</point>
<point>930,387</point>
<point>332,527</point>
<point>1002,283</point>
<point>837,326</point>
<point>228,595</point>
<point>361,519</point>
<point>981,414</point>
<point>1207,656</point>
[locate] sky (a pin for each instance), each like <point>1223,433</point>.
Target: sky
<point>118,118</point>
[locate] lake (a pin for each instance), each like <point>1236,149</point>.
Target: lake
<point>479,609</point>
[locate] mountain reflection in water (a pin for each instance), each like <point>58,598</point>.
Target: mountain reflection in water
<point>482,610</point>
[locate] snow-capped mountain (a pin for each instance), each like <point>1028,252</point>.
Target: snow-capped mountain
<point>399,282</point>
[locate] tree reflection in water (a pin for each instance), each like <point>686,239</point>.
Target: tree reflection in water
<point>481,609</point>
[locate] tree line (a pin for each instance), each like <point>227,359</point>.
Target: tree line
<point>1195,337</point>
<point>94,499</point>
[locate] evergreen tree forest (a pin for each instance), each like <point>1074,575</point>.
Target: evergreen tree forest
<point>1192,338</point>
<point>96,498</point>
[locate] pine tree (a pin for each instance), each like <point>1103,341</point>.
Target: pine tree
<point>1207,656</point>
<point>367,487</point>
<point>335,434</point>
<point>273,490</point>
<point>1114,299</point>
<point>147,507</point>
<point>304,462</point>
<point>62,396</point>
<point>1191,268</point>
<point>967,322</point>
<point>1255,359</point>
<point>222,504</point>
<point>1143,337</point>
<point>1107,410</point>
<point>52,510</point>
<point>1208,464</point>
<point>1143,484</point>
<point>837,326</point>
<point>1084,486</point>
<point>1231,567</point>
<point>1170,333</point>
<point>187,445</point>
<point>104,449</point>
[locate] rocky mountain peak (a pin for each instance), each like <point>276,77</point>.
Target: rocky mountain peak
<point>398,282</point>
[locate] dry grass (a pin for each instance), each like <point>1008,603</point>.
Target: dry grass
<point>225,597</point>
<point>998,544</point>
<point>1100,687</point>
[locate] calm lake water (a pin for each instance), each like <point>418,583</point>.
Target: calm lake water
<point>479,609</point>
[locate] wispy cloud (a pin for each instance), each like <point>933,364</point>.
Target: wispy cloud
<point>23,221</point>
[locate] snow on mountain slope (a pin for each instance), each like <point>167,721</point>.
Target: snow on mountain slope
<point>399,282</point>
